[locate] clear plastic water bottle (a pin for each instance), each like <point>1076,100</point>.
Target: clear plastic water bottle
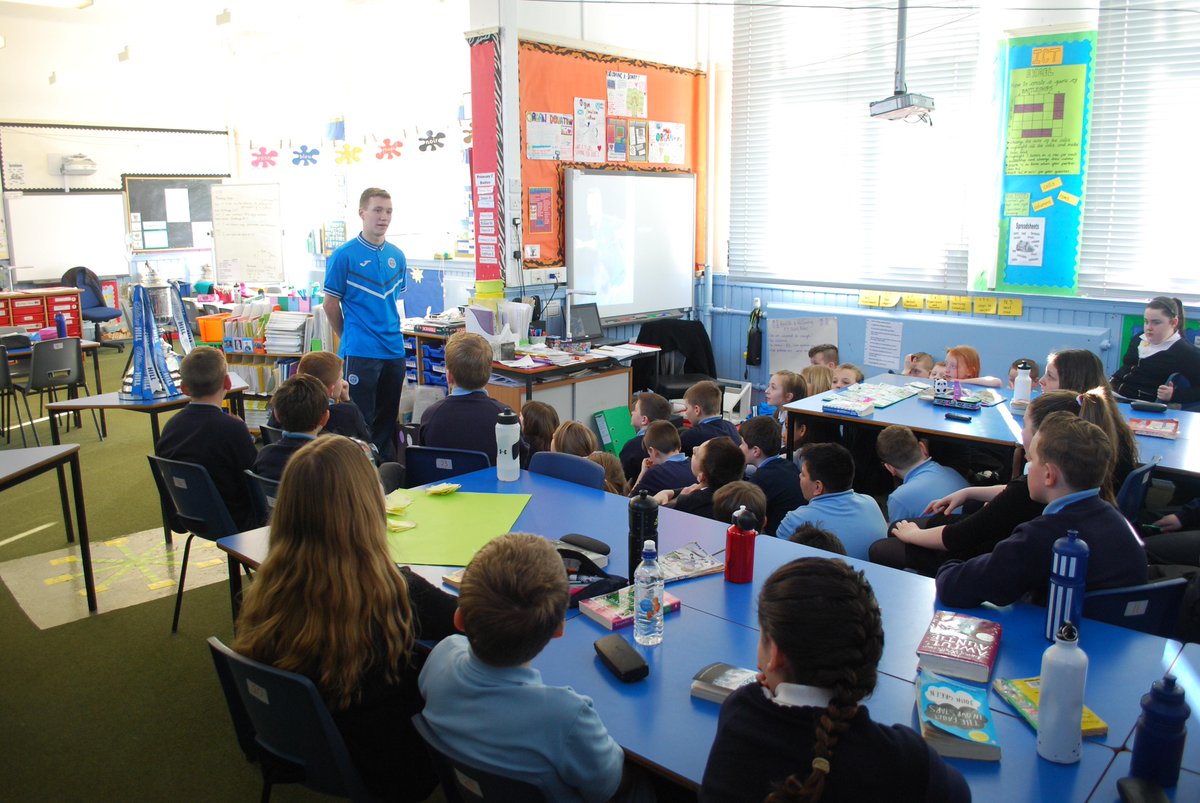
<point>648,590</point>
<point>1060,714</point>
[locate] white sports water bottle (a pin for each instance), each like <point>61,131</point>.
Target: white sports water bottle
<point>1023,384</point>
<point>1060,710</point>
<point>508,446</point>
<point>648,590</point>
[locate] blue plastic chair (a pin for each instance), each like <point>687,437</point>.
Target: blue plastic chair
<point>196,505</point>
<point>569,467</point>
<point>290,724</point>
<point>270,435</point>
<point>1151,608</point>
<point>1181,382</point>
<point>263,491</point>
<point>474,781</point>
<point>424,464</point>
<point>1132,496</point>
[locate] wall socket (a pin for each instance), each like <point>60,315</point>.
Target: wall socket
<point>544,275</point>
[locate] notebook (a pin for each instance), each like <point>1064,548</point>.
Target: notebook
<point>585,325</point>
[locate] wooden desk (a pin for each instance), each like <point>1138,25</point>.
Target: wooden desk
<point>18,465</point>
<point>90,349</point>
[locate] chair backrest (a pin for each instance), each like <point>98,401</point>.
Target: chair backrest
<point>263,491</point>
<point>5,373</point>
<point>1151,608</point>
<point>56,363</point>
<point>473,781</point>
<point>1132,496</point>
<point>424,464</point>
<point>270,434</point>
<point>193,315</point>
<point>198,505</point>
<point>569,467</point>
<point>291,722</point>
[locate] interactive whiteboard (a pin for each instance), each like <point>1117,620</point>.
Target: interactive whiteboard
<point>51,233</point>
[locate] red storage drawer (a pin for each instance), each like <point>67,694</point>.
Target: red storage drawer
<point>29,317</point>
<point>27,304</point>
<point>62,303</point>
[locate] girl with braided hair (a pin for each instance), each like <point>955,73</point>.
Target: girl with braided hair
<point>803,735</point>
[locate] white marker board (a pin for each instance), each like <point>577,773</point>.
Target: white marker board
<point>50,233</point>
<point>789,339</point>
<point>247,237</point>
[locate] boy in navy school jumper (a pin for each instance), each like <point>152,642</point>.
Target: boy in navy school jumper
<point>466,419</point>
<point>647,408</point>
<point>485,700</point>
<point>826,480</point>
<point>344,416</point>
<point>777,476</point>
<point>703,410</point>
<point>363,282</point>
<point>715,463</point>
<point>665,466</point>
<point>1069,459</point>
<point>302,405</point>
<point>922,480</point>
<point>203,433</point>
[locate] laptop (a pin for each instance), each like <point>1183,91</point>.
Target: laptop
<point>585,325</point>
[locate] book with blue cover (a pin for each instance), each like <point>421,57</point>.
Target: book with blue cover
<point>955,718</point>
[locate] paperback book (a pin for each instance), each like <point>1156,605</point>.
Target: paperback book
<point>690,560</point>
<point>1024,695</point>
<point>718,680</point>
<point>959,646</point>
<point>1155,427</point>
<point>956,720</point>
<point>615,610</point>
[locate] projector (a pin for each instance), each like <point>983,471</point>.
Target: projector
<point>898,107</point>
<point>78,165</point>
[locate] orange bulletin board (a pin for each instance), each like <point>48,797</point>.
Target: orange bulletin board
<point>550,78</point>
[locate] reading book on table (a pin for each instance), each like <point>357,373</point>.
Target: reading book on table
<point>955,718</point>
<point>718,680</point>
<point>1024,695</point>
<point>690,560</point>
<point>1155,427</point>
<point>615,610</point>
<point>959,646</point>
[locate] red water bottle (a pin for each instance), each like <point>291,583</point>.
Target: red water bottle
<point>739,547</point>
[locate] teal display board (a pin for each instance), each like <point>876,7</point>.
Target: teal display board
<point>1048,112</point>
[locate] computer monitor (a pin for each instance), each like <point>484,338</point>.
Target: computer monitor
<point>585,321</point>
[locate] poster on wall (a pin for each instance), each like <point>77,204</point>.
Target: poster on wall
<point>626,94</point>
<point>667,143</point>
<point>789,339</point>
<point>1046,126</point>
<point>618,144</point>
<point>639,146</point>
<point>589,130</point>
<point>548,135</point>
<point>541,204</point>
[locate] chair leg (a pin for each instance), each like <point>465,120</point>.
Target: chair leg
<point>187,548</point>
<point>29,415</point>
<point>266,792</point>
<point>88,392</point>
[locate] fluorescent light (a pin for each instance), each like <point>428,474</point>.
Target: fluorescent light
<point>124,54</point>
<point>224,17</point>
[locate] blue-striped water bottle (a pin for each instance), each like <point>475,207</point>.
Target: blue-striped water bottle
<point>1068,581</point>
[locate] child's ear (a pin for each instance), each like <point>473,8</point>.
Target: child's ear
<point>558,631</point>
<point>458,621</point>
<point>324,419</point>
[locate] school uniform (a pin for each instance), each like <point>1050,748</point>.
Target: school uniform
<point>632,455</point>
<point>466,419</point>
<point>923,483</point>
<point>780,480</point>
<point>207,435</point>
<point>705,430</point>
<point>674,472</point>
<point>273,457</point>
<point>854,518</point>
<point>698,502</point>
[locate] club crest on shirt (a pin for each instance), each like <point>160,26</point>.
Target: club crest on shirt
<point>392,263</point>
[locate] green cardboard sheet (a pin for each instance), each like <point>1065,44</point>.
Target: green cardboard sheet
<point>451,529</point>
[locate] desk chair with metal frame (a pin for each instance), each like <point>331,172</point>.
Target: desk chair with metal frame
<point>55,364</point>
<point>91,302</point>
<point>9,393</point>
<point>569,467</point>
<point>473,781</point>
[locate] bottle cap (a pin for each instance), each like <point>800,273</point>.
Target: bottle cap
<point>649,549</point>
<point>1068,632</point>
<point>507,416</point>
<point>743,519</point>
<point>1024,365</point>
<point>1167,688</point>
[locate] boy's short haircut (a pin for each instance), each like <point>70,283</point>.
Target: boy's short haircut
<point>469,360</point>
<point>923,358</point>
<point>898,447</point>
<point>663,436</point>
<point>653,406</point>
<point>722,461</point>
<point>513,598</point>
<point>849,366</point>
<point>324,365</point>
<point>369,193</point>
<point>300,402</point>
<point>1080,450</point>
<point>203,371</point>
<point>827,351</point>
<point>830,464</point>
<point>707,395</point>
<point>764,432</point>
<point>811,535</point>
<point>731,496</point>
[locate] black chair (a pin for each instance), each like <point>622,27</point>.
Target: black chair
<point>1149,608</point>
<point>281,720</point>
<point>55,364</point>
<point>263,491</point>
<point>424,464</point>
<point>1131,498</point>
<point>197,506</point>
<point>269,435</point>
<point>91,302</point>
<point>569,467</point>
<point>473,781</point>
<point>686,357</point>
<point>8,392</point>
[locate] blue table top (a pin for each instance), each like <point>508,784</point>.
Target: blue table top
<point>1188,787</point>
<point>1181,455</point>
<point>1187,674</point>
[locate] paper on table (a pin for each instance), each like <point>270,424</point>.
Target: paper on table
<point>523,362</point>
<point>451,529</point>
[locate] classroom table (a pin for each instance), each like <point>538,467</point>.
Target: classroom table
<point>1178,456</point>
<point>1187,789</point>
<point>18,465</point>
<point>90,349</point>
<point>1187,674</point>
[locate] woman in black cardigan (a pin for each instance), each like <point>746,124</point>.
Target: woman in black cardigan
<point>1160,351</point>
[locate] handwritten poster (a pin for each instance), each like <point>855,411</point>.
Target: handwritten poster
<point>1045,121</point>
<point>589,130</point>
<point>626,94</point>
<point>541,200</point>
<point>548,135</point>
<point>789,339</point>
<point>639,148</point>
<point>882,348</point>
<point>667,141</point>
<point>618,143</point>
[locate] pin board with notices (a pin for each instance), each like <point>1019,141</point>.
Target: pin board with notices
<point>169,213</point>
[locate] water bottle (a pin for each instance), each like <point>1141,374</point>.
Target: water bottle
<point>643,524</point>
<point>508,446</point>
<point>1068,582</point>
<point>739,547</point>
<point>60,324</point>
<point>1023,384</point>
<point>1060,710</point>
<point>648,590</point>
<point>1160,734</point>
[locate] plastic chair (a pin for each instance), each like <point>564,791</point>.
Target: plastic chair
<point>1132,496</point>
<point>1151,608</point>
<point>473,781</point>
<point>91,301</point>
<point>1181,382</point>
<point>8,392</point>
<point>197,506</point>
<point>424,464</point>
<point>270,435</point>
<point>55,364</point>
<point>569,467</point>
<point>263,491</point>
<point>292,730</point>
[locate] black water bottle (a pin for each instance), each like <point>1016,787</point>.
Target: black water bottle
<point>643,525</point>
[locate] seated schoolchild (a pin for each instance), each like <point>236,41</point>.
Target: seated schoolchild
<point>647,408</point>
<point>1069,459</point>
<point>1035,373</point>
<point>465,419</point>
<point>344,416</point>
<point>818,378</point>
<point>538,422</point>
<point>845,375</point>
<point>715,463</point>
<point>817,538</point>
<point>921,478</point>
<point>666,466</point>
<point>302,408</point>
<point>203,433</point>
<point>703,410</point>
<point>785,387</point>
<point>825,354</point>
<point>733,496</point>
<point>918,364</point>
<point>939,371</point>
<point>572,437</point>
<point>962,366</point>
<point>802,732</point>
<point>614,475</point>
<point>778,477</point>
<point>485,701</point>
<point>825,480</point>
